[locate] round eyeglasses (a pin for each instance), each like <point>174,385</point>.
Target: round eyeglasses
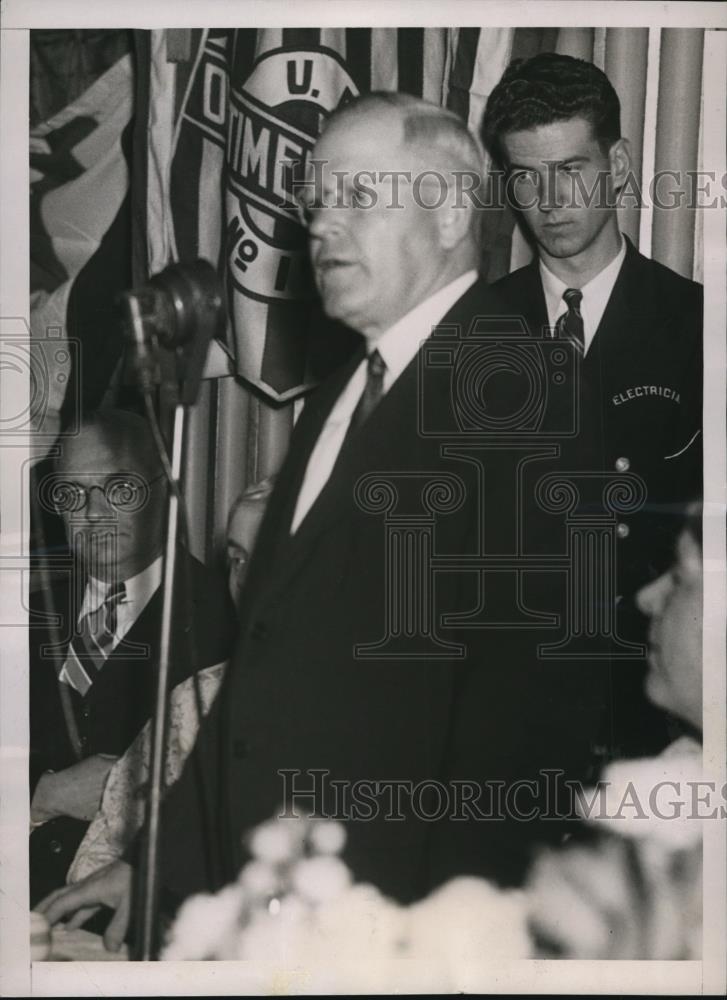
<point>126,492</point>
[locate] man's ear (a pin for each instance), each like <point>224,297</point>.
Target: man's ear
<point>619,161</point>
<point>454,219</point>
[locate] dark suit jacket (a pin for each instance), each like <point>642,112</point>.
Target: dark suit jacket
<point>649,340</point>
<point>119,702</point>
<point>298,698</point>
<point>640,409</point>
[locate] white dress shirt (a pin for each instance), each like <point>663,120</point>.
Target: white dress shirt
<point>139,591</point>
<point>397,346</point>
<point>595,295</point>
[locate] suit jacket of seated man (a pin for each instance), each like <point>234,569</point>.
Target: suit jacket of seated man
<point>640,413</point>
<point>300,709</point>
<point>121,697</point>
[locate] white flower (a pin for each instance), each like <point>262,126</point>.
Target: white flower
<point>343,937</point>
<point>321,878</point>
<point>293,909</point>
<point>468,922</point>
<point>283,938</point>
<point>327,836</point>
<point>276,841</point>
<point>259,879</point>
<point>361,923</point>
<point>202,922</point>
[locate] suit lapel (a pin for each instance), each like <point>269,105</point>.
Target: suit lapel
<point>624,328</point>
<point>371,443</point>
<point>531,299</point>
<point>374,448</point>
<point>274,540</point>
<point>371,449</point>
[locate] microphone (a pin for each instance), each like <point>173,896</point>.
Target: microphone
<point>179,310</point>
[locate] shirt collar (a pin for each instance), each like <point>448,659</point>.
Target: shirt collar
<point>596,293</point>
<point>398,345</point>
<point>139,588</point>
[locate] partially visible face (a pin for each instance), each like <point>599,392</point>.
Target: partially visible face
<point>241,534</point>
<point>562,182</point>
<point>673,602</point>
<point>372,265</point>
<point>114,544</point>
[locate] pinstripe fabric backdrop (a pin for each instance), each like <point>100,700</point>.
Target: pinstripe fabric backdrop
<point>243,102</point>
<point>229,80</point>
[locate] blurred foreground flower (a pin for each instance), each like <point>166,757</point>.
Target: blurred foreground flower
<point>296,907</point>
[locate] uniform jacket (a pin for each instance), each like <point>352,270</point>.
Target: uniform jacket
<point>641,397</point>
<point>119,701</point>
<point>640,412</point>
<point>298,699</point>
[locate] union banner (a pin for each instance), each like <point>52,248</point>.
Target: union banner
<point>232,114</point>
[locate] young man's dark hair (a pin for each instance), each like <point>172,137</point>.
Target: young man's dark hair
<point>550,88</point>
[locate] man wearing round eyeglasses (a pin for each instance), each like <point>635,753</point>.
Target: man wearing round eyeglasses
<point>93,678</point>
<point>111,498</point>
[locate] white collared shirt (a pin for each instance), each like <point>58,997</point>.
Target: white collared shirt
<point>397,346</point>
<point>139,591</point>
<point>596,294</point>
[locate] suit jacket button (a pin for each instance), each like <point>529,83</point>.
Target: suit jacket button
<point>622,530</point>
<point>239,749</point>
<point>56,846</point>
<point>259,630</point>
<point>622,464</point>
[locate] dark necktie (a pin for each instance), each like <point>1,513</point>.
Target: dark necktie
<point>570,324</point>
<point>92,645</point>
<point>372,393</point>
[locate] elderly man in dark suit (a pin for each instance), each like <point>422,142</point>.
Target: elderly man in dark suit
<point>349,689</point>
<point>93,675</point>
<point>553,124</point>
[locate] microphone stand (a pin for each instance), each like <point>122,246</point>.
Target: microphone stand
<point>148,943</point>
<point>179,311</point>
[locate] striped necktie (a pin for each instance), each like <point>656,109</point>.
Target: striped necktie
<point>93,643</point>
<point>570,324</point>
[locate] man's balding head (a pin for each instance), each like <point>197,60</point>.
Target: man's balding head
<point>438,137</point>
<point>388,224</point>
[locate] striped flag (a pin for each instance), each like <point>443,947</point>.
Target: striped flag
<point>476,58</point>
<point>230,114</point>
<point>79,242</point>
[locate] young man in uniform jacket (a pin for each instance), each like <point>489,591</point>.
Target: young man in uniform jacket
<point>553,124</point>
<point>340,699</point>
<point>93,675</point>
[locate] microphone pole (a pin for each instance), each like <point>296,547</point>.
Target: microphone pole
<point>179,311</point>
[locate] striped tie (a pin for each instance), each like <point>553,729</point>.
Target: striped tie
<point>92,645</point>
<point>570,324</point>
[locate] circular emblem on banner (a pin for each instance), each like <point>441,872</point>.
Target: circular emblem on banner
<point>274,119</point>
